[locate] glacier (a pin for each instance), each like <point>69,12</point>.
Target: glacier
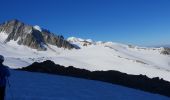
<point>94,56</point>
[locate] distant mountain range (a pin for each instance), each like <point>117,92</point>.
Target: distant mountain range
<point>165,46</point>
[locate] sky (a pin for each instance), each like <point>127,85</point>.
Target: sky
<point>138,22</point>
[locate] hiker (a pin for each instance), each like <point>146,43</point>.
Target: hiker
<point>4,74</point>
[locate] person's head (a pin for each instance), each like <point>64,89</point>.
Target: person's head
<point>1,59</point>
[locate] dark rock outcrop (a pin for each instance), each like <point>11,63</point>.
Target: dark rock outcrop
<point>166,51</point>
<point>142,82</point>
<point>31,37</point>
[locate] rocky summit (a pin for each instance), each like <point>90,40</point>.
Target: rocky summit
<point>32,36</point>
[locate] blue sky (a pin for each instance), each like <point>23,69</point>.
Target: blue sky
<point>139,22</point>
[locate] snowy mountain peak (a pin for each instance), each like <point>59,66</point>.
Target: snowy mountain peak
<point>31,36</point>
<point>74,39</point>
<point>37,28</point>
<point>88,42</point>
<point>80,42</point>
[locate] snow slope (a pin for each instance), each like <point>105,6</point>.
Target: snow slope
<point>36,86</point>
<point>93,56</point>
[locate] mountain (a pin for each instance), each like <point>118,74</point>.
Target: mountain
<point>165,51</point>
<point>22,49</point>
<point>31,36</point>
<point>37,86</point>
<point>165,46</point>
<point>81,42</point>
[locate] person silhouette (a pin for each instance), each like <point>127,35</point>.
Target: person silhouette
<point>4,74</point>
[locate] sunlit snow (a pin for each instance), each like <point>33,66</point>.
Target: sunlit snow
<point>37,28</point>
<point>97,56</point>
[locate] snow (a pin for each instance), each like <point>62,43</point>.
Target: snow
<point>3,36</point>
<point>80,42</point>
<point>37,28</point>
<point>97,56</point>
<point>89,40</point>
<point>36,86</point>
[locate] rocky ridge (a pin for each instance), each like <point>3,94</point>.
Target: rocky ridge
<point>32,37</point>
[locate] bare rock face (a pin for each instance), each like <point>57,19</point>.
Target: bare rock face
<point>166,51</point>
<point>29,36</point>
